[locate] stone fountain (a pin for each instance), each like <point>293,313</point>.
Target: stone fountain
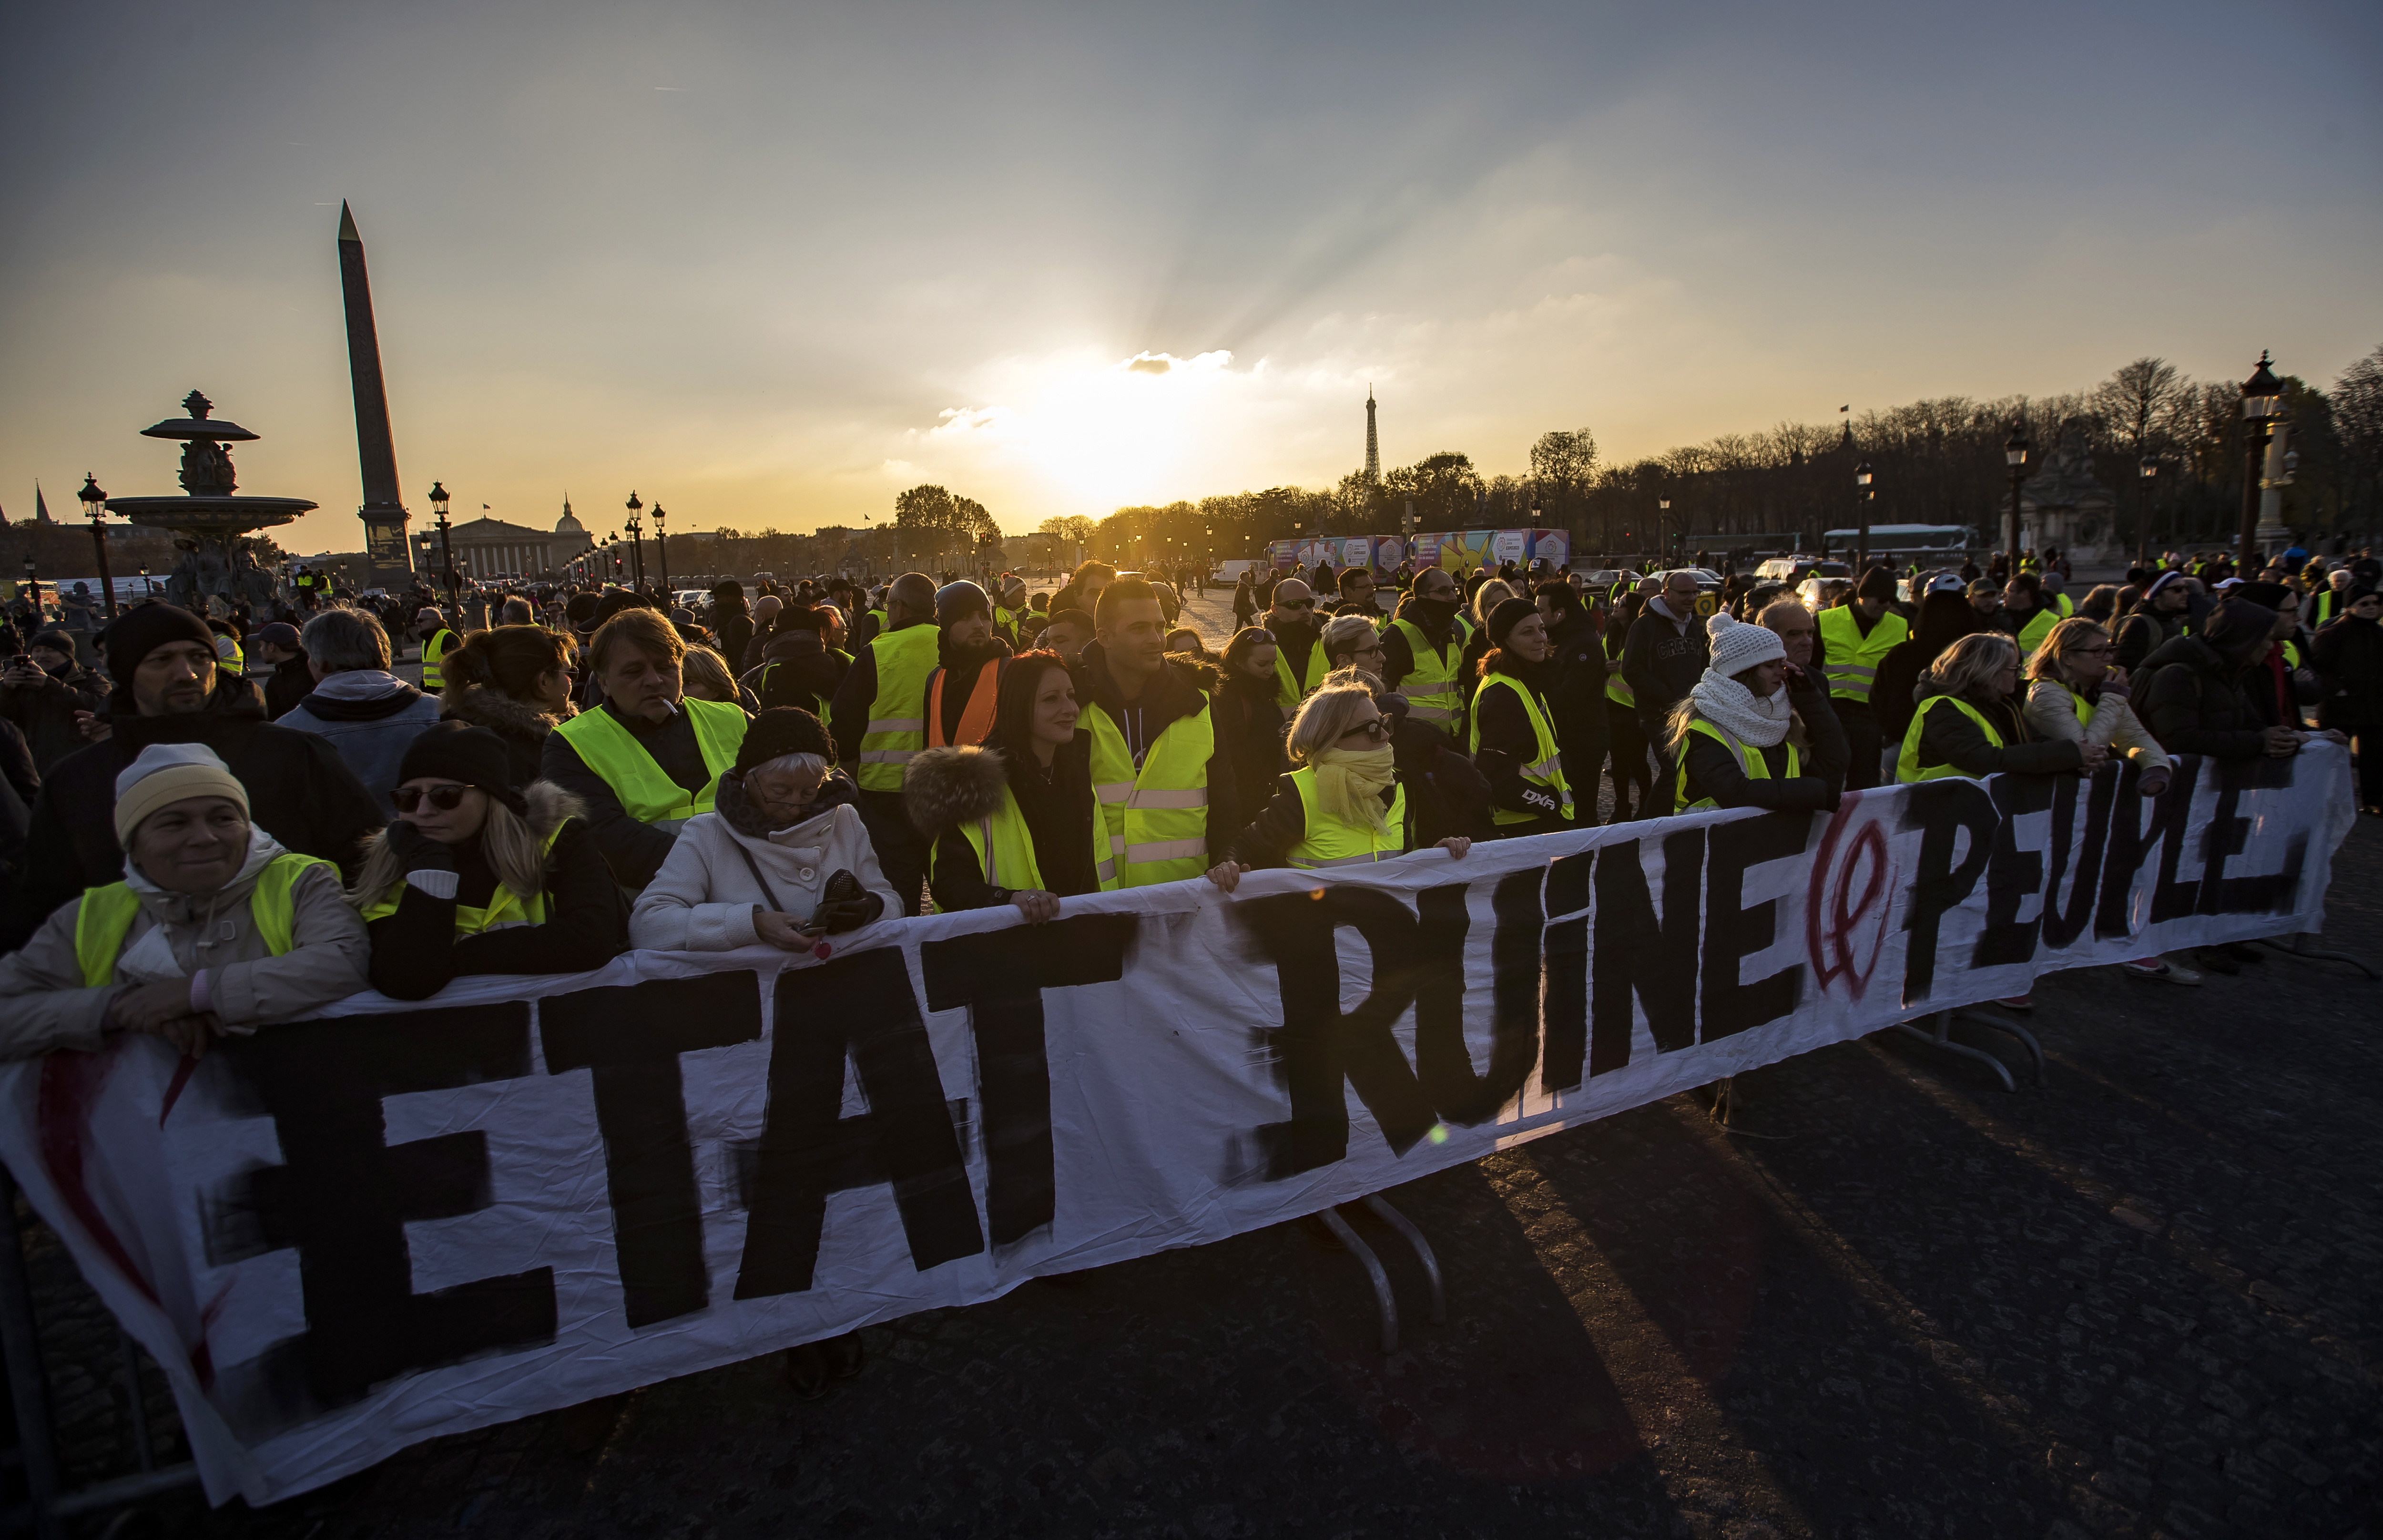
<point>208,521</point>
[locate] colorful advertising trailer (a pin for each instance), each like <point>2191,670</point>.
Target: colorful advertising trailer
<point>1460,550</point>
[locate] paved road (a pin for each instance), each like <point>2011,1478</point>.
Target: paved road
<point>2138,1300</point>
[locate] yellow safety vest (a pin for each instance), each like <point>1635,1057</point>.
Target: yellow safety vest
<point>1005,849</point>
<point>229,655</point>
<point>1617,688</point>
<point>1156,818</point>
<point>2322,607</point>
<point>1547,771</point>
<point>897,721</point>
<point>614,754</point>
<point>1907,764</point>
<point>105,914</point>
<point>2066,609</point>
<point>1756,766</point>
<point>1287,691</point>
<point>1853,658</point>
<point>1434,692</point>
<point>2079,704</point>
<point>2030,635</point>
<point>1329,842</point>
<point>433,677</point>
<point>504,908</point>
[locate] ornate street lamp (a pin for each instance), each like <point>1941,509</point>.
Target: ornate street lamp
<point>636,538</point>
<point>1864,492</point>
<point>662,552</point>
<point>94,503</point>
<point>439,500</point>
<point>2147,470</point>
<point>1663,527</point>
<point>2263,403</point>
<point>2015,450</point>
<point>33,590</point>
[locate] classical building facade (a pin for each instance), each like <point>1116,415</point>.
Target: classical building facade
<point>492,549</point>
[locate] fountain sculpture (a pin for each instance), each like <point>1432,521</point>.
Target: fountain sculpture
<point>217,570</point>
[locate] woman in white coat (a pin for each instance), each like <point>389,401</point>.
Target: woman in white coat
<point>782,858</point>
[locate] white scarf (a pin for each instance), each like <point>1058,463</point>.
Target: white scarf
<point>1737,710</point>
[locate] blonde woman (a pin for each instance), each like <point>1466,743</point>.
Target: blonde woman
<point>1344,805</point>
<point>2077,695</point>
<point>480,874</point>
<point>1969,725</point>
<point>705,677</point>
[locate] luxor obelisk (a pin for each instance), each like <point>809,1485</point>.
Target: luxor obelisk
<point>385,549</point>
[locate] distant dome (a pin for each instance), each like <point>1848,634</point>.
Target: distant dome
<point>567,524</point>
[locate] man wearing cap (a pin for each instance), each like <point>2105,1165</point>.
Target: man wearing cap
<point>291,680</point>
<point>169,690</point>
<point>969,660</point>
<point>879,721</point>
<point>1855,637</point>
<point>42,691</point>
<point>2162,615</point>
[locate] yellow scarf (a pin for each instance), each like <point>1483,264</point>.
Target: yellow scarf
<point>1349,783</point>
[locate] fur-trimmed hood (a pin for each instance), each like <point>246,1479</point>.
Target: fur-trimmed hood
<point>550,807</point>
<point>942,788</point>
<point>486,706</point>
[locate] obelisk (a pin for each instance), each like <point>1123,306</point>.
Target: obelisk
<point>386,551</point>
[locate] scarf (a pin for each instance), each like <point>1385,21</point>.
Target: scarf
<point>1735,709</point>
<point>1349,783</point>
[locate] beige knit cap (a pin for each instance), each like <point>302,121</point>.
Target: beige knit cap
<point>169,773</point>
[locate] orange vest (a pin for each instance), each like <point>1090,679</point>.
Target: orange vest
<point>976,717</point>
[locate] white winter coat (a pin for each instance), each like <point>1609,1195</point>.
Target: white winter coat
<point>705,897</point>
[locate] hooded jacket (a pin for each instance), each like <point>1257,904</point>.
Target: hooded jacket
<point>415,951</point>
<point>369,716</point>
<point>797,668</point>
<point>522,725</point>
<point>2348,656</point>
<point>2144,629</point>
<point>1944,619</point>
<point>2195,702</point>
<point>948,789</point>
<point>1250,728</point>
<point>1663,656</point>
<point>704,898</point>
<point>300,791</point>
<point>43,1004</point>
<point>1577,696</point>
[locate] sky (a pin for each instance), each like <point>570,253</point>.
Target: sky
<point>769,265</point>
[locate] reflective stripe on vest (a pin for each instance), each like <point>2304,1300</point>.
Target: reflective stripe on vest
<point>1155,818</point>
<point>105,914</point>
<point>1907,764</point>
<point>1756,766</point>
<point>1434,693</point>
<point>1853,658</point>
<point>613,754</point>
<point>504,909</point>
<point>434,677</point>
<point>976,717</point>
<point>2030,635</point>
<point>1547,771</point>
<point>896,731</point>
<point>1287,691</point>
<point>1005,849</point>
<point>1329,842</point>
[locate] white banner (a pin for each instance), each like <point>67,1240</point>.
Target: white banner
<point>344,1235</point>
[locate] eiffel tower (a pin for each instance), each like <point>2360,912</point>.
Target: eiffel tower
<point>1373,444</point>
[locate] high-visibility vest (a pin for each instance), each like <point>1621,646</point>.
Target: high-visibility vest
<point>228,656</point>
<point>1617,688</point>
<point>105,914</point>
<point>1756,766</point>
<point>2030,635</point>
<point>613,754</point>
<point>2325,605</point>
<point>504,909</point>
<point>1156,817</point>
<point>1853,658</point>
<point>1288,690</point>
<point>1545,770</point>
<point>1005,622</point>
<point>433,677</point>
<point>976,717</point>
<point>1435,693</point>
<point>1331,842</point>
<point>879,616</point>
<point>2066,609</point>
<point>1005,849</point>
<point>896,730</point>
<point>2077,703</point>
<point>1907,764</point>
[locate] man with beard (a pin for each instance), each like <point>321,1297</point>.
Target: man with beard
<point>1357,594</point>
<point>1857,635</point>
<point>878,718</point>
<point>1423,650</point>
<point>969,660</point>
<point>1298,664</point>
<point>1164,782</point>
<point>2164,613</point>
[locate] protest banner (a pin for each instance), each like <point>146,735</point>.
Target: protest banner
<point>342,1235</point>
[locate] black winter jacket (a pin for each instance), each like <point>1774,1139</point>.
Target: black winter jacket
<point>1662,659</point>
<point>2197,705</point>
<point>2348,656</point>
<point>1949,737</point>
<point>46,713</point>
<point>634,850</point>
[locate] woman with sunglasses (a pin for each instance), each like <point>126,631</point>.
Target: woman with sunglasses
<point>480,874</point>
<point>1249,717</point>
<point>1345,805</point>
<point>2077,695</point>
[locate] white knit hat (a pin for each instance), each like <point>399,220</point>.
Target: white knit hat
<point>169,773</point>
<point>1738,646</point>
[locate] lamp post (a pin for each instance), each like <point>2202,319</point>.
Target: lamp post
<point>2015,456</point>
<point>146,591</point>
<point>2147,470</point>
<point>662,552</point>
<point>636,539</point>
<point>1863,493</point>
<point>1663,527</point>
<point>33,590</point>
<point>439,500</point>
<point>2263,400</point>
<point>94,502</point>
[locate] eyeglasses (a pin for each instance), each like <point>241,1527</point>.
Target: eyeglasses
<point>1375,731</point>
<point>445,798</point>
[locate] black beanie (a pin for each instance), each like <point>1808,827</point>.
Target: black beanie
<point>143,629</point>
<point>781,731</point>
<point>1877,583</point>
<point>459,751</point>
<point>1509,614</point>
<point>956,600</point>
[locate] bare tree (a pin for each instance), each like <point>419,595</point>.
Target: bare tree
<point>2358,426</point>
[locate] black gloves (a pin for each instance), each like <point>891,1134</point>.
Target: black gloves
<point>416,851</point>
<point>846,905</point>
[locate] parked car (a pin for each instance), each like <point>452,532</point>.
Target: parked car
<point>1817,594</point>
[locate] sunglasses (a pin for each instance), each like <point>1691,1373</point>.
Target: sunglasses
<point>445,798</point>
<point>1294,604</point>
<point>1375,731</point>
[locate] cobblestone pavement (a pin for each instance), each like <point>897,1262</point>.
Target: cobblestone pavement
<point>2138,1300</point>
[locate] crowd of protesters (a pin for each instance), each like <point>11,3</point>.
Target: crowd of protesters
<point>229,824</point>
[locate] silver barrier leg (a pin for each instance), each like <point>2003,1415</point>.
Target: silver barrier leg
<point>1382,1296</point>
<point>29,1389</point>
<point>2299,948</point>
<point>1941,1037</point>
<point>1422,1252</point>
<point>133,1409</point>
<point>2005,1024</point>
